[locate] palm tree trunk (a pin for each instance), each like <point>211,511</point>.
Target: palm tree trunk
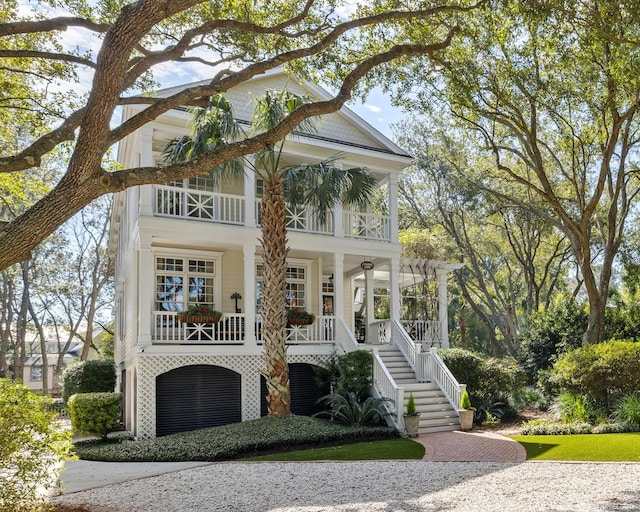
<point>274,244</point>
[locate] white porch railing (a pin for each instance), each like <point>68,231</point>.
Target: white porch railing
<point>425,332</point>
<point>303,219</point>
<point>381,330</point>
<point>440,374</point>
<point>229,331</point>
<point>322,330</point>
<point>386,387</point>
<point>199,204</point>
<point>367,225</point>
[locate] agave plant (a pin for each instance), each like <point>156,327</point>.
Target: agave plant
<point>348,410</point>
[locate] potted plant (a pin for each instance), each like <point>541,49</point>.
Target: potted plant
<point>200,314</point>
<point>298,316</point>
<point>466,412</point>
<point>411,418</point>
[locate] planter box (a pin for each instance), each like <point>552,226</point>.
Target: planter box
<point>191,318</point>
<point>300,321</point>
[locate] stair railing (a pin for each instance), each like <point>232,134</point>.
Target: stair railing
<point>442,376</point>
<point>345,338</point>
<point>401,339</point>
<point>386,387</point>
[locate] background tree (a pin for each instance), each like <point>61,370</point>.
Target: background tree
<point>234,42</point>
<point>545,100</point>
<point>514,261</point>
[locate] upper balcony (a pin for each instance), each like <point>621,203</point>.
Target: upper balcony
<point>179,200</point>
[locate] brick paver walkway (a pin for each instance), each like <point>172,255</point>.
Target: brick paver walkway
<point>471,447</point>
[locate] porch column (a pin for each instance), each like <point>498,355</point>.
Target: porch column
<point>394,288</point>
<point>338,289</point>
<point>393,208</point>
<point>249,197</point>
<point>249,255</point>
<point>443,308</point>
<point>146,295</point>
<point>338,221</point>
<point>372,334</point>
<point>146,160</point>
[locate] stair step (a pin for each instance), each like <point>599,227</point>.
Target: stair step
<point>434,422</point>
<point>396,364</point>
<point>439,428</point>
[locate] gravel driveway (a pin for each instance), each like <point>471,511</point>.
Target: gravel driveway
<point>389,486</point>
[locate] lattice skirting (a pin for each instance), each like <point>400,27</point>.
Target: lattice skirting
<point>149,367</point>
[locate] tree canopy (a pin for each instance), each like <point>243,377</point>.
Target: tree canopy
<point>234,41</point>
<point>544,98</point>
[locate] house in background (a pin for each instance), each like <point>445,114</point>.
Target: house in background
<point>189,241</point>
<point>32,370</point>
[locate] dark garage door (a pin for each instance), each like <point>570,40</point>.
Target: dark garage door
<point>197,396</point>
<point>304,390</point>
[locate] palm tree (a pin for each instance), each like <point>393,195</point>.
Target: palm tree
<point>319,185</point>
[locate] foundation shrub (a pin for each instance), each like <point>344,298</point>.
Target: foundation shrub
<point>95,413</point>
<point>234,440</point>
<point>490,382</point>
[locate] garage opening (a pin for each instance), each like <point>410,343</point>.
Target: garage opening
<point>304,390</point>
<point>197,396</point>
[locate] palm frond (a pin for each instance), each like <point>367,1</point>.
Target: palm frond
<point>324,184</point>
<point>274,106</point>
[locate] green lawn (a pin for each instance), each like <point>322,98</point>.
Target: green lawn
<point>584,447</point>
<point>393,449</point>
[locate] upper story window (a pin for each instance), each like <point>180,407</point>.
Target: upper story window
<point>182,282</point>
<point>260,187</point>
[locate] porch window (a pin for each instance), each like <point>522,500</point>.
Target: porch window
<point>182,282</point>
<point>297,287</point>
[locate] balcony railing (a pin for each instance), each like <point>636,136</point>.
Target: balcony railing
<point>231,330</point>
<point>172,201</point>
<point>367,225</point>
<point>198,204</point>
<point>303,219</point>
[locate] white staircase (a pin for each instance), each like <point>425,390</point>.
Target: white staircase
<point>436,413</point>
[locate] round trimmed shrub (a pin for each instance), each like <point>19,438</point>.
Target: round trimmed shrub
<point>605,372</point>
<point>89,377</point>
<point>95,413</point>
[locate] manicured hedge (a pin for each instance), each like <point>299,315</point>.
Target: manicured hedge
<point>233,441</point>
<point>95,413</point>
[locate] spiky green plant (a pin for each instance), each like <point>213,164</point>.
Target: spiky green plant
<point>348,410</point>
